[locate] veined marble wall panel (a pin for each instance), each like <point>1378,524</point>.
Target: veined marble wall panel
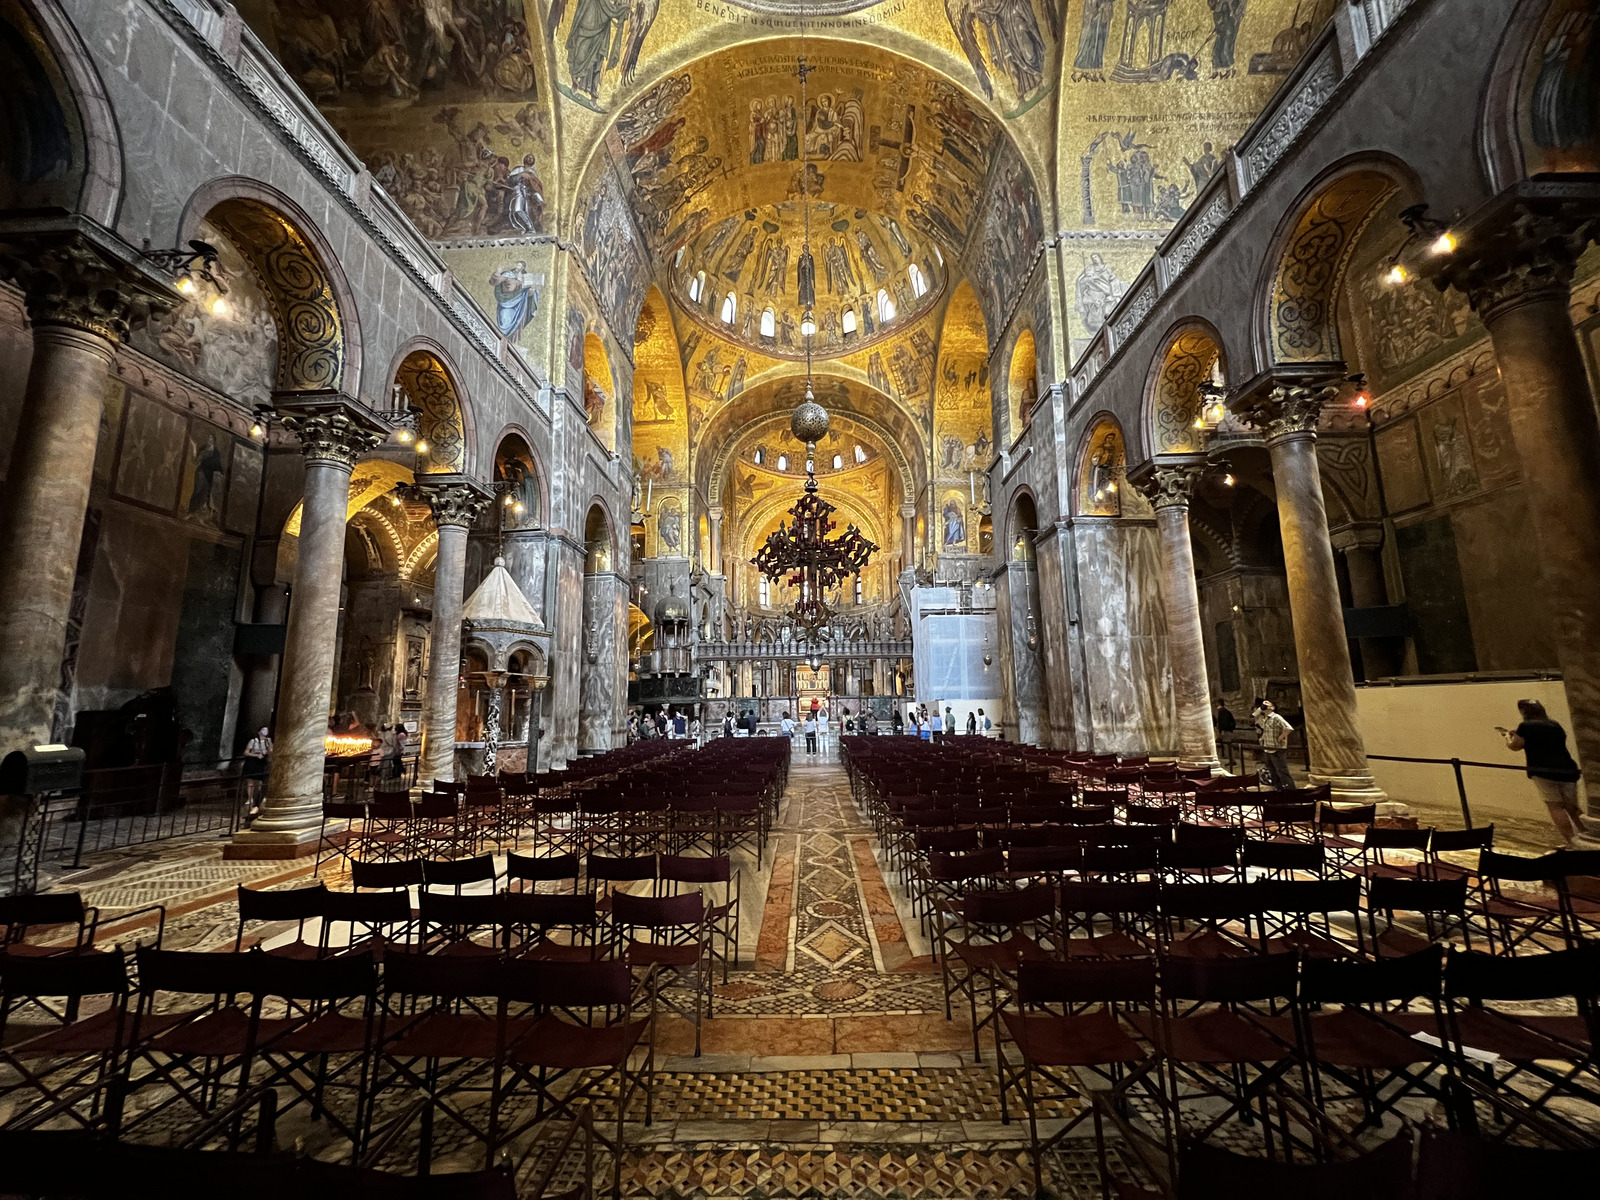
<point>597,687</point>
<point>1129,677</point>
<point>526,552</point>
<point>1053,637</point>
<point>565,657</point>
<point>1027,664</point>
<point>1007,719</point>
<point>619,662</point>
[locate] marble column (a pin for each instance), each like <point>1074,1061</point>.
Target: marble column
<point>1027,664</point>
<point>1169,483</point>
<point>1517,274</point>
<point>334,431</point>
<point>908,536</point>
<point>714,519</point>
<point>82,297</point>
<point>1288,413</point>
<point>456,501</point>
<point>1361,546</point>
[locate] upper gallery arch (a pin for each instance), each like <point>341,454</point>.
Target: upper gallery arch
<point>907,183</point>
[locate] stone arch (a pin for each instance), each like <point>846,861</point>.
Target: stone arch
<point>76,164</point>
<point>1022,522</point>
<point>430,386</point>
<point>313,307</point>
<point>1172,401</point>
<point>1022,383</point>
<point>1101,472</point>
<point>517,463</point>
<point>1305,268</point>
<point>599,538</point>
<point>599,390</point>
<point>1524,129</point>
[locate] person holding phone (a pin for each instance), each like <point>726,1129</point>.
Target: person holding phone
<point>1550,765</point>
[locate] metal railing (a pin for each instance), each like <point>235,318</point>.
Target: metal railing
<point>1455,764</point>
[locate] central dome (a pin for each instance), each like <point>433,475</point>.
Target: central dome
<point>873,276</point>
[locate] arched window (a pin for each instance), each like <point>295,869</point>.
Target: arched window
<point>697,285</point>
<point>848,321</point>
<point>677,259</point>
<point>783,462</point>
<point>885,307</point>
<point>859,590</point>
<point>861,455</point>
<point>919,285</point>
<point>766,591</point>
<point>730,308</point>
<point>761,455</point>
<point>769,323</point>
<point>838,462</point>
<point>937,253</point>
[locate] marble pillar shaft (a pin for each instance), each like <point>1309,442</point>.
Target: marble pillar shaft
<point>1553,424</point>
<point>438,754</point>
<point>715,523</point>
<point>293,804</point>
<point>47,495</point>
<point>1191,688</point>
<point>1327,689</point>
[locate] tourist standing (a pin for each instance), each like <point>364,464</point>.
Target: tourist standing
<point>822,730</point>
<point>1550,765</point>
<point>727,724</point>
<point>680,725</point>
<point>787,725</point>
<point>972,724</point>
<point>811,733</point>
<point>984,723</point>
<point>897,722</point>
<point>256,754</point>
<point>1274,732</point>
<point>1222,720</point>
<point>936,726</point>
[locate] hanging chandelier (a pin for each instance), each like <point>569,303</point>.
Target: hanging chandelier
<point>802,555</point>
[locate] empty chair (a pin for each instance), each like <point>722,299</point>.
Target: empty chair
<point>296,905</point>
<point>459,873</point>
<point>529,872</point>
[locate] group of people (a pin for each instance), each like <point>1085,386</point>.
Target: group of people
<point>663,723</point>
<point>1550,765</point>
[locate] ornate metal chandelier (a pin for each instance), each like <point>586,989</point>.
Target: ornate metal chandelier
<point>803,555</point>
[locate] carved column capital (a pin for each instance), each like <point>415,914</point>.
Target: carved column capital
<point>1356,537</point>
<point>714,512</point>
<point>1168,483</point>
<point>331,426</point>
<point>1530,256</point>
<point>454,499</point>
<point>907,511</point>
<point>69,279</point>
<point>1288,409</point>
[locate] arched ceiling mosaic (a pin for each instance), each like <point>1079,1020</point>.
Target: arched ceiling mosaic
<point>872,277</point>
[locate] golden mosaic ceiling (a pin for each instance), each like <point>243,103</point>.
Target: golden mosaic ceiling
<point>872,277</point>
<point>877,132</point>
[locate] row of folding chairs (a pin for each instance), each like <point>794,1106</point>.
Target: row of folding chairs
<point>489,1047</point>
<point>1340,1042</point>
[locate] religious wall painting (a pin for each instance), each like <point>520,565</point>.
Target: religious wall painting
<point>205,474</point>
<point>1558,96</point>
<point>1405,481</point>
<point>577,327</point>
<point>244,487</point>
<point>222,334</point>
<point>1489,426</point>
<point>1103,471</point>
<point>152,458</point>
<point>599,43</point>
<point>1022,383</point>
<point>1145,177</point>
<point>670,528</point>
<point>615,263</point>
<point>1008,42</point>
<point>599,388</point>
<point>1012,230</point>
<point>1162,41</point>
<point>953,523</point>
<point>1448,448</point>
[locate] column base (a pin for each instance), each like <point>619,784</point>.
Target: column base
<point>1351,789</point>
<point>1210,764</point>
<point>249,845</point>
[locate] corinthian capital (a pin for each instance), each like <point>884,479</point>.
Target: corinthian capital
<point>454,499</point>
<point>331,426</point>
<point>1520,251</point>
<point>91,283</point>
<point>1169,482</point>
<point>1287,409</point>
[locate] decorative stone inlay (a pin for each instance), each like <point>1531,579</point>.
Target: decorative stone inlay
<point>272,98</point>
<point>331,429</point>
<point>68,280</point>
<point>1292,117</point>
<point>454,499</point>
